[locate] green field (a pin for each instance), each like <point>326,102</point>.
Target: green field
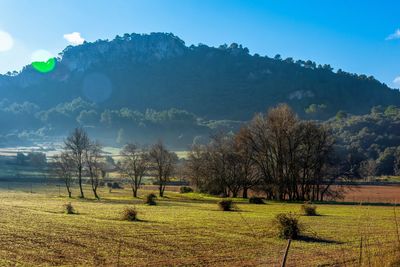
<point>182,230</point>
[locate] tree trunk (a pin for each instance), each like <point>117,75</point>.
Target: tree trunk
<point>161,189</point>
<point>67,185</point>
<point>234,193</point>
<point>134,192</point>
<point>80,181</point>
<point>95,193</point>
<point>245,195</point>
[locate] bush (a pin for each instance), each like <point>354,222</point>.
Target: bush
<point>256,200</point>
<point>185,189</point>
<point>69,209</point>
<point>151,199</point>
<point>288,225</point>
<point>129,214</point>
<point>309,209</point>
<point>116,185</point>
<point>226,205</point>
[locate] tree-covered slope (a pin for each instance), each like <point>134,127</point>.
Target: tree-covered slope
<point>159,71</point>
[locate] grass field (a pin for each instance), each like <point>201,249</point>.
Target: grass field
<point>182,230</point>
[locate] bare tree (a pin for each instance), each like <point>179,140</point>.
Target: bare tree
<point>250,176</point>
<point>75,145</point>
<point>396,168</point>
<point>292,157</point>
<point>94,165</point>
<point>164,163</point>
<point>223,166</point>
<point>196,167</point>
<point>134,164</point>
<point>64,169</point>
<point>368,169</point>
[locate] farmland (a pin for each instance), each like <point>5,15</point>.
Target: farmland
<point>183,229</point>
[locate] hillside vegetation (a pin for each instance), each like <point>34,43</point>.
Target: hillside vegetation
<point>146,84</point>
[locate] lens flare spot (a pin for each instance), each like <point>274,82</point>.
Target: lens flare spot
<point>43,61</point>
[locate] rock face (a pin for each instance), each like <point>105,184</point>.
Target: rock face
<point>159,71</point>
<point>131,47</point>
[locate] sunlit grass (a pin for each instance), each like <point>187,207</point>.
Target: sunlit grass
<point>183,229</point>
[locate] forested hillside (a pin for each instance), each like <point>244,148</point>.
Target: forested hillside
<point>371,142</point>
<point>147,86</point>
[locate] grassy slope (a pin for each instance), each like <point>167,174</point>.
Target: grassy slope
<point>181,230</point>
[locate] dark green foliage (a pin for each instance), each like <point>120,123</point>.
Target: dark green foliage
<point>129,214</point>
<point>309,209</point>
<point>287,225</point>
<point>372,136</point>
<point>185,189</point>
<point>256,200</point>
<point>151,199</point>
<point>69,209</point>
<point>226,205</point>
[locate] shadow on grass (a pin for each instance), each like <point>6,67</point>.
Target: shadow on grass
<point>316,239</point>
<point>135,221</point>
<point>315,215</point>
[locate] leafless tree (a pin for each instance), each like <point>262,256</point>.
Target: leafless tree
<point>134,164</point>
<point>397,163</point>
<point>249,176</point>
<point>163,162</point>
<point>94,165</point>
<point>222,167</point>
<point>75,145</point>
<point>368,169</point>
<point>293,158</point>
<point>196,167</point>
<point>64,169</point>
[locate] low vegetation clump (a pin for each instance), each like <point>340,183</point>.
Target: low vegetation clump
<point>256,200</point>
<point>114,185</point>
<point>185,189</point>
<point>69,209</point>
<point>130,214</point>
<point>309,209</point>
<point>226,205</point>
<point>151,199</point>
<point>288,225</point>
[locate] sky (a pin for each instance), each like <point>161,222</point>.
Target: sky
<point>358,36</point>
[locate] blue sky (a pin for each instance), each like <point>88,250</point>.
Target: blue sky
<point>357,36</point>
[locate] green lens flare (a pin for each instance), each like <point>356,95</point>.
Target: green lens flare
<point>44,67</point>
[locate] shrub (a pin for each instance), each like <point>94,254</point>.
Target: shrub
<point>256,200</point>
<point>116,185</point>
<point>109,185</point>
<point>185,189</point>
<point>151,199</point>
<point>129,214</point>
<point>226,205</point>
<point>287,225</point>
<point>309,209</point>
<point>69,209</point>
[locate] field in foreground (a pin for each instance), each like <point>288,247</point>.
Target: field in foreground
<point>183,230</point>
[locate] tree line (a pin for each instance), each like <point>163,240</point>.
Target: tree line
<point>276,153</point>
<point>83,158</point>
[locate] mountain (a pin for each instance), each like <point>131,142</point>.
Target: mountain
<point>157,72</point>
